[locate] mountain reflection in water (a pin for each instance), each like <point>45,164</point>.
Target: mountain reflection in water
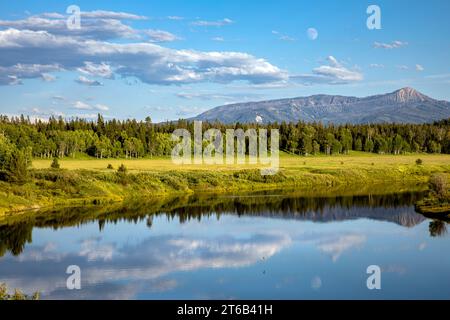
<point>265,245</point>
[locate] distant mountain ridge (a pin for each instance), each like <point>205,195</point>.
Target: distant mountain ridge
<point>406,105</point>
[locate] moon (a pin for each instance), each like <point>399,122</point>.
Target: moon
<point>312,33</point>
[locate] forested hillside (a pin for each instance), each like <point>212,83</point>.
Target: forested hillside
<point>130,138</point>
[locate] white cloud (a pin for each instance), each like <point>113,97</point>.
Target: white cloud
<point>218,23</point>
<point>287,38</point>
<point>101,107</point>
<point>419,68</point>
<point>219,39</point>
<point>178,18</point>
<point>102,14</point>
<point>403,67</point>
<point>336,246</point>
<point>393,45</point>
<point>88,82</point>
<point>283,37</point>
<point>377,65</point>
<point>333,73</point>
<point>12,74</point>
<point>93,251</point>
<point>47,77</point>
<point>80,105</point>
<point>160,36</point>
<point>99,70</point>
<point>95,24</point>
<point>148,62</point>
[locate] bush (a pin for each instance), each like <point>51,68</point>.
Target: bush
<point>122,169</point>
<point>110,167</point>
<point>419,162</point>
<point>17,168</point>
<point>55,164</point>
<point>439,184</point>
<point>122,175</point>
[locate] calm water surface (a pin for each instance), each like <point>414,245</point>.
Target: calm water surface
<point>267,246</point>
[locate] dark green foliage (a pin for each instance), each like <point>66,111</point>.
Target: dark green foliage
<point>419,162</point>
<point>437,228</point>
<point>122,169</point>
<point>14,162</point>
<point>122,175</point>
<point>17,168</point>
<point>55,164</point>
<point>110,167</point>
<point>133,139</point>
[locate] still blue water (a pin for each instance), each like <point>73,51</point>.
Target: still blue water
<point>318,250</point>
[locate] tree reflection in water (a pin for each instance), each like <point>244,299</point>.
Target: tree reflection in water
<point>16,232</point>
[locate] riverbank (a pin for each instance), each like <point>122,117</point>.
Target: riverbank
<point>95,184</point>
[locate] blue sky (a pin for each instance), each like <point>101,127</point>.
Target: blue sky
<point>175,59</point>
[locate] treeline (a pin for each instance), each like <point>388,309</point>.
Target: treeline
<point>22,139</point>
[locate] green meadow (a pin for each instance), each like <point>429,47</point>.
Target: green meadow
<point>89,181</point>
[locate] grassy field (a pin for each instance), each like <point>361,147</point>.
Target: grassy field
<point>287,162</point>
<point>88,181</point>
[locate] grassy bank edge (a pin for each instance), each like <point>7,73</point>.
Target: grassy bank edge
<point>48,188</point>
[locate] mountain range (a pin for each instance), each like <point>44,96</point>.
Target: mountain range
<point>406,105</point>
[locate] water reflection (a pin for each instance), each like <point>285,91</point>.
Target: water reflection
<point>267,246</point>
<point>16,232</point>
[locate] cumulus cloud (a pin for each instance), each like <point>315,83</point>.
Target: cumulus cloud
<point>148,62</point>
<point>12,74</point>
<point>39,45</point>
<point>93,251</point>
<point>95,24</point>
<point>336,246</point>
<point>101,107</point>
<point>419,67</point>
<point>149,262</point>
<point>219,39</point>
<point>393,45</point>
<point>218,23</point>
<point>332,73</point>
<point>88,82</point>
<point>80,105</point>
<point>99,70</point>
<point>47,77</point>
<point>160,36</point>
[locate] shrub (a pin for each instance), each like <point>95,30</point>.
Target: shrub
<point>122,169</point>
<point>439,184</point>
<point>55,164</point>
<point>419,162</point>
<point>110,167</point>
<point>17,168</point>
<point>122,175</point>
